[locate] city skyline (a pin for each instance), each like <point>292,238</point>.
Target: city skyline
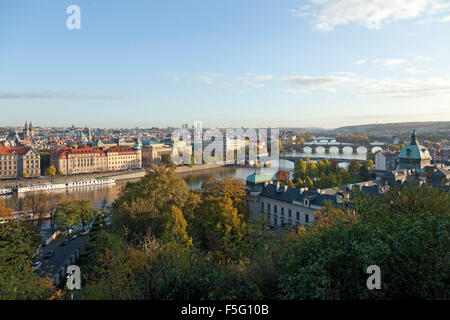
<point>252,64</point>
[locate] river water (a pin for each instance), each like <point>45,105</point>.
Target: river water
<point>98,194</point>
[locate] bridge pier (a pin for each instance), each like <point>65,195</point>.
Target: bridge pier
<point>327,149</point>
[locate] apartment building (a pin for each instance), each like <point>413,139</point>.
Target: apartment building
<point>123,158</point>
<point>18,162</point>
<point>68,161</point>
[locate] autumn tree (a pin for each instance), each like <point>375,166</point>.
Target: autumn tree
<point>154,204</point>
<point>5,213</point>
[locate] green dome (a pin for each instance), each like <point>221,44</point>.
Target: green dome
<point>415,150</point>
<point>256,177</point>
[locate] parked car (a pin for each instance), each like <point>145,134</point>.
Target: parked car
<point>85,232</point>
<point>73,237</point>
<point>49,254</point>
<point>36,266</point>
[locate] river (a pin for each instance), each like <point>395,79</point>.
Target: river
<point>98,194</point>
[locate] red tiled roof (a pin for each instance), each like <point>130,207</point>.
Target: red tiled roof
<point>13,150</point>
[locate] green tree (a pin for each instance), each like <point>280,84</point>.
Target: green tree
<point>18,243</point>
<point>353,167</point>
<point>153,204</point>
<point>74,213</point>
<point>405,232</point>
<point>299,169</point>
<point>166,159</point>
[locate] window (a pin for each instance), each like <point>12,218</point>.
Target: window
<point>289,213</point>
<point>306,218</point>
<point>262,205</point>
<point>282,211</point>
<point>275,209</point>
<point>268,206</point>
<point>298,215</point>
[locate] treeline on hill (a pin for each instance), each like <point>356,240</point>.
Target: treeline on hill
<point>352,138</point>
<point>166,241</point>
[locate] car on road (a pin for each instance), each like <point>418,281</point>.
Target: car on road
<point>64,243</point>
<point>73,237</point>
<point>36,266</point>
<point>85,232</point>
<point>49,254</point>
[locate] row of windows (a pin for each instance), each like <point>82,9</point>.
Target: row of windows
<point>275,210</point>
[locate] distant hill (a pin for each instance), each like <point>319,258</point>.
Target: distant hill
<point>434,127</point>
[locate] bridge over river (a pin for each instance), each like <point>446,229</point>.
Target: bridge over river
<point>338,147</point>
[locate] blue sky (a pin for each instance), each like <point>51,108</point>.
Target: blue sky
<point>257,63</point>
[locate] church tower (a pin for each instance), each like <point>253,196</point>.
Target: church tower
<point>25,131</point>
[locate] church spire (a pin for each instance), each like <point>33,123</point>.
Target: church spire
<point>414,138</point>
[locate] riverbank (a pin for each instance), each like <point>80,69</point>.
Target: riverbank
<point>122,175</point>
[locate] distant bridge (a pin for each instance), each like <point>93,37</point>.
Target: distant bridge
<point>336,145</point>
<point>294,159</point>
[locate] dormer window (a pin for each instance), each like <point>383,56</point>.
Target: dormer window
<point>306,202</point>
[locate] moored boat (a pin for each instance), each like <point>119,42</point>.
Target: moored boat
<point>65,185</point>
<point>5,191</point>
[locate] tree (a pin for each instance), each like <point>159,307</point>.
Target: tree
<point>166,159</point>
<point>234,189</point>
<point>299,169</point>
<point>369,164</point>
<point>5,213</point>
<point>311,169</point>
<point>404,232</point>
<point>153,204</point>
<point>18,243</point>
<point>50,171</point>
<point>39,205</point>
<point>74,213</point>
<point>218,226</point>
<point>353,167</point>
<point>309,183</point>
<point>299,183</point>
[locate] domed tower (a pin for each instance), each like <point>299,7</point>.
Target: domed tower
<point>414,156</point>
<point>138,148</point>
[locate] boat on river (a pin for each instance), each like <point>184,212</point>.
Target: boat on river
<point>65,185</point>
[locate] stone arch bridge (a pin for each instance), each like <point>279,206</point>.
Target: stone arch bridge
<point>339,146</point>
